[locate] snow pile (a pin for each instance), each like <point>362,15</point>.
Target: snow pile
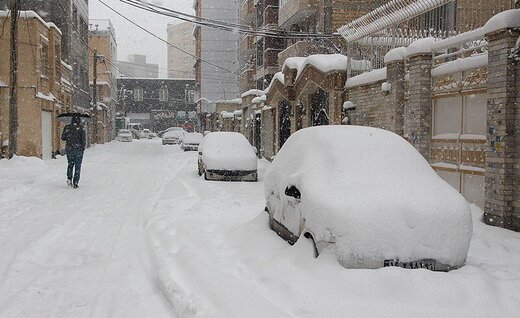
<point>227,151</point>
<point>31,15</point>
<point>2,84</point>
<point>348,105</point>
<point>421,46</point>
<point>49,97</point>
<point>252,92</point>
<point>462,64</point>
<point>259,99</point>
<point>394,55</point>
<point>293,63</point>
<point>331,62</point>
<point>276,77</point>
<point>504,20</point>
<point>374,192</point>
<point>18,175</point>
<point>366,78</point>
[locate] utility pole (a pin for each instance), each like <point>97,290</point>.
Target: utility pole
<point>13,94</point>
<point>95,98</point>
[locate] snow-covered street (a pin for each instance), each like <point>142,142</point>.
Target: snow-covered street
<point>145,236</point>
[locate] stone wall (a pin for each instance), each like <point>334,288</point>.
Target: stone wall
<point>371,106</point>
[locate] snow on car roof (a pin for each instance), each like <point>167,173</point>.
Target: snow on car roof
<point>193,138</point>
<point>173,133</point>
<point>228,151</point>
<point>375,186</point>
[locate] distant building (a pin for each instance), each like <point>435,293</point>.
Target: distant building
<point>71,17</point>
<point>217,52</point>
<point>137,67</point>
<point>158,103</point>
<point>102,38</point>
<point>180,64</point>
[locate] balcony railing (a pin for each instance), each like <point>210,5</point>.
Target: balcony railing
<point>296,11</point>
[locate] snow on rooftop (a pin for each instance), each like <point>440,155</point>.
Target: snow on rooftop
<point>293,62</point>
<point>460,65</point>
<point>276,77</point>
<point>230,101</point>
<point>49,97</point>
<point>253,92</point>
<point>259,99</point>
<point>394,55</point>
<point>29,15</point>
<point>366,78</point>
<point>332,62</point>
<point>226,114</point>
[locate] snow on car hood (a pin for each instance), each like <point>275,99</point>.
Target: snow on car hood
<point>227,151</point>
<point>374,191</point>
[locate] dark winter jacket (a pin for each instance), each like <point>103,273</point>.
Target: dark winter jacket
<point>74,135</point>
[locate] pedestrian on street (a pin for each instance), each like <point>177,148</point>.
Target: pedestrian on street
<point>75,138</point>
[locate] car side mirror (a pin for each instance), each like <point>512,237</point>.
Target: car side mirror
<point>292,191</point>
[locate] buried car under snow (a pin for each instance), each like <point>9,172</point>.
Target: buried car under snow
<point>227,156</point>
<point>367,196</point>
<point>191,141</point>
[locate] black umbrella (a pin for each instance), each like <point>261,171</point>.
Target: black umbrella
<point>67,117</point>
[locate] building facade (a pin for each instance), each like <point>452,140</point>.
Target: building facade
<point>71,17</point>
<point>180,64</point>
<point>158,103</point>
<point>102,39</point>
<point>216,69</point>
<point>44,88</point>
<point>137,67</point>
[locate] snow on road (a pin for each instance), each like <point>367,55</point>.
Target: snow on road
<point>145,236</point>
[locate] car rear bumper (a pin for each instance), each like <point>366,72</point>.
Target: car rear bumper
<point>232,175</point>
<point>170,141</point>
<point>190,147</point>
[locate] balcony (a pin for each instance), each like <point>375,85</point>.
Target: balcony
<point>271,17</point>
<point>300,48</point>
<point>247,12</point>
<point>296,11</point>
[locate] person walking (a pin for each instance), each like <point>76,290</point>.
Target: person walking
<point>75,138</point>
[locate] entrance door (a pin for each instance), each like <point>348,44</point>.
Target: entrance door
<point>46,135</point>
<point>320,108</point>
<point>285,122</point>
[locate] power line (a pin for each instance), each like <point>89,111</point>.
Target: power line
<point>223,25</point>
<point>163,40</point>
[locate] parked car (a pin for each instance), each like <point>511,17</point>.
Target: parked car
<point>191,141</point>
<point>172,137</point>
<point>227,156</point>
<point>161,133</point>
<point>124,135</point>
<point>149,134</point>
<point>367,196</point>
<point>137,130</point>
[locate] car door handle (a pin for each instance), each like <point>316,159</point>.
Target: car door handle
<point>292,191</point>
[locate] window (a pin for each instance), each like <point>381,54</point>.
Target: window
<point>138,94</point>
<point>189,96</point>
<point>163,94</point>
<point>57,52</point>
<point>44,60</point>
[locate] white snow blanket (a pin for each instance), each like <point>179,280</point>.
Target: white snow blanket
<point>375,193</point>
<point>227,151</point>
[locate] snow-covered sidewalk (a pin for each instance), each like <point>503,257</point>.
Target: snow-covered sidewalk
<point>145,236</point>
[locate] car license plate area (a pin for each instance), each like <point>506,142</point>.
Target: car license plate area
<point>424,263</point>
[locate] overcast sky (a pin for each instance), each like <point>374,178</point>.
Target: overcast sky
<point>132,40</point>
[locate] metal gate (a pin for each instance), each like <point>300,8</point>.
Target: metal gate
<point>320,108</point>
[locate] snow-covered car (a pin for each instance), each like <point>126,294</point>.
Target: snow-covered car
<point>161,133</point>
<point>172,137</point>
<point>191,141</point>
<point>137,130</point>
<point>227,156</point>
<point>124,135</point>
<point>367,196</point>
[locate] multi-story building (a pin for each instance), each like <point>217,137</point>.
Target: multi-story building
<point>216,69</point>
<point>158,103</point>
<point>102,39</point>
<point>258,54</point>
<point>44,88</point>
<point>180,64</point>
<point>71,17</point>
<point>137,67</point>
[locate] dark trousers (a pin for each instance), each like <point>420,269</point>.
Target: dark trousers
<point>75,158</point>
